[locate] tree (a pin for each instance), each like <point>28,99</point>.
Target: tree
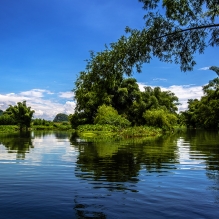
<point>174,31</point>
<point>1,112</point>
<point>61,117</point>
<point>21,114</point>
<point>122,94</point>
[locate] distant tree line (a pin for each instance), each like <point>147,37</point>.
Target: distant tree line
<point>22,116</point>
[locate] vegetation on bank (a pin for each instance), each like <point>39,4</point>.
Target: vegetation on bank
<point>204,113</point>
<point>92,131</point>
<point>8,128</point>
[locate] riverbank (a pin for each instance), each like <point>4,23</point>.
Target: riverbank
<point>94,131</point>
<point>8,128</point>
<point>55,127</point>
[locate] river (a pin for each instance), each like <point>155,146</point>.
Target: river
<point>58,175</point>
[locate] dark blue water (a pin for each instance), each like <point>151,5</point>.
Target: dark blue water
<point>56,175</point>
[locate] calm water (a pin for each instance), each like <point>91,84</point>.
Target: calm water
<point>57,175</point>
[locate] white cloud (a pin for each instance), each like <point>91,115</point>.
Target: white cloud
<point>183,92</point>
<point>34,93</point>
<point>159,79</point>
<point>68,95</point>
<point>44,107</point>
<point>204,68</point>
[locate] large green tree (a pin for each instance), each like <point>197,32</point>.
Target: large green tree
<point>174,31</point>
<point>21,113</point>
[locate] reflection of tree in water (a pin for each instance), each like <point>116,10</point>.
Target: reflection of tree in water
<point>62,135</point>
<point>207,143</point>
<point>42,134</point>
<point>19,143</point>
<point>121,161</point>
<point>114,166</point>
<point>82,213</point>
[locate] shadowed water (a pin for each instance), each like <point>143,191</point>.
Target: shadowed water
<point>58,175</point>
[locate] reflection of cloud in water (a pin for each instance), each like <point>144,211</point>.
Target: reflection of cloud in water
<point>42,147</point>
<point>4,155</point>
<point>188,158</point>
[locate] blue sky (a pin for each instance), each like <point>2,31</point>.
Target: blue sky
<point>44,45</point>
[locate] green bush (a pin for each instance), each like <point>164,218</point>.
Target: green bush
<point>6,119</point>
<point>108,115</point>
<point>160,118</point>
<point>97,127</point>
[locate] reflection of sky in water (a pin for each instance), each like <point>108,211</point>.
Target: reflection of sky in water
<point>163,180</point>
<point>45,149</point>
<point>188,158</point>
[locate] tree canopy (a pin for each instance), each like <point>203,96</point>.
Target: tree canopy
<point>21,114</point>
<point>94,90</point>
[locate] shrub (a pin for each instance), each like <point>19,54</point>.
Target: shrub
<point>108,115</point>
<point>160,118</point>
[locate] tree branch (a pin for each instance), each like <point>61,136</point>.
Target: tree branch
<point>188,29</point>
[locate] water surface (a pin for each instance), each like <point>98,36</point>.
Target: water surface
<point>58,175</point>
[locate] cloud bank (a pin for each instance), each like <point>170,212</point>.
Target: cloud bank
<point>183,92</point>
<point>45,103</point>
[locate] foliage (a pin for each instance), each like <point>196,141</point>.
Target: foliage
<point>97,127</point>
<point>78,118</point>
<point>125,98</point>
<point>204,113</point>
<point>215,69</point>
<point>104,131</point>
<point>174,31</point>
<point>172,34</point>
<point>21,114</point>
<point>160,118</point>
<point>8,128</point>
<point>108,115</point>
<point>19,143</point>
<point>6,119</point>
<point>1,112</point>
<point>60,117</point>
<point>43,122</point>
<point>140,131</point>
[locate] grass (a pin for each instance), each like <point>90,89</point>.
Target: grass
<point>113,131</point>
<point>8,128</point>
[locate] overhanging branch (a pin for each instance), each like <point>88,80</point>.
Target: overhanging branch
<point>188,29</point>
